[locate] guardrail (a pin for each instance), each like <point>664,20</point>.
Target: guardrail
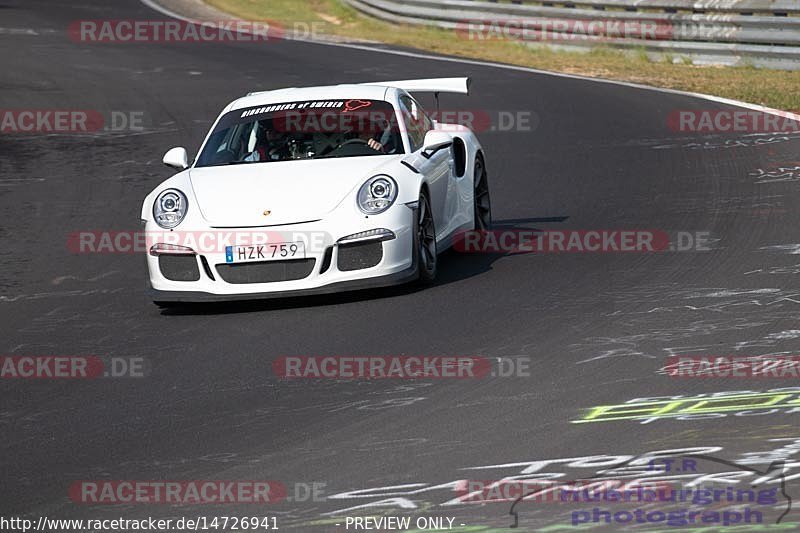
<point>762,33</point>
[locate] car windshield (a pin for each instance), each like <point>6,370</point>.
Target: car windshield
<point>303,130</point>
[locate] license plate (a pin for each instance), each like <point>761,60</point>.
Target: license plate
<point>281,251</point>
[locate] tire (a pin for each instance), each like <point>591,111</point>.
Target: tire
<point>482,200</point>
<point>425,250</point>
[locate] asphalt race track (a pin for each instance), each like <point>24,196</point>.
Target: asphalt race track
<point>596,327</point>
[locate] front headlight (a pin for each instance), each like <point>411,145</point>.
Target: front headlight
<point>377,194</point>
<point>169,208</point>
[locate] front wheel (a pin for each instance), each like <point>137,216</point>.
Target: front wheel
<point>426,253</point>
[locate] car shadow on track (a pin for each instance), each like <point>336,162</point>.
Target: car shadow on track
<point>457,266</point>
<point>453,266</point>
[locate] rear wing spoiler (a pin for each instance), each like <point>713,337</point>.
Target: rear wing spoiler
<point>436,85</point>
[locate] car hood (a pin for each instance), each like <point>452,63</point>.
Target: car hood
<point>290,192</point>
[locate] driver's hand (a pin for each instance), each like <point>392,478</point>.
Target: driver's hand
<point>375,145</point>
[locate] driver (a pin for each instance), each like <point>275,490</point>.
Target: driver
<point>384,142</point>
<point>271,145</point>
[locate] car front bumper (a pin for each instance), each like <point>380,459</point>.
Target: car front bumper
<point>329,265</point>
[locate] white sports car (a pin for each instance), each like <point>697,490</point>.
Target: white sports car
<point>315,190</point>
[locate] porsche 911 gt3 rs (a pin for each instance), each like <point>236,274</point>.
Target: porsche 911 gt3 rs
<point>315,190</point>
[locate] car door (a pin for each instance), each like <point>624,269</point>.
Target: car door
<point>438,169</point>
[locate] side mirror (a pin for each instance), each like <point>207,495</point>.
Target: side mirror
<point>177,158</point>
<point>435,141</point>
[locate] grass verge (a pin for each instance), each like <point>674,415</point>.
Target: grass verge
<point>773,88</point>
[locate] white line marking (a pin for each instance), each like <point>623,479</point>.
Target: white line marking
<point>18,31</point>
<point>718,99</point>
